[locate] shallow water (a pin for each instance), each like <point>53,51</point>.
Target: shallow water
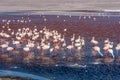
<point>90,72</point>
<point>88,68</point>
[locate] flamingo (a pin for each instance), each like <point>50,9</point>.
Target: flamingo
<point>51,50</point>
<point>107,46</point>
<point>3,20</point>
<point>57,47</point>
<point>117,47</point>
<point>4,46</point>
<point>78,40</point>
<point>106,41</point>
<point>9,29</point>
<point>62,39</point>
<point>93,41</point>
<point>45,19</point>
<point>70,47</point>
<point>82,41</point>
<point>89,17</point>
<point>65,30</point>
<point>73,38</point>
<point>79,48</point>
<point>94,19</point>
<point>38,46</point>
<point>31,44</point>
<point>111,52</point>
<point>111,44</point>
<point>10,48</point>
<point>96,48</point>
<point>17,43</point>
<point>45,47</point>
<point>58,16</point>
<point>64,44</point>
<point>26,49</point>
<point>12,33</point>
<point>78,44</point>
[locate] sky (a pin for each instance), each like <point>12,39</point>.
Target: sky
<point>13,5</point>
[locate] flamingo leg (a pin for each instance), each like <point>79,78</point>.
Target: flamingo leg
<point>113,55</point>
<point>100,53</point>
<point>117,53</point>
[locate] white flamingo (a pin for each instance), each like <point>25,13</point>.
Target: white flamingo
<point>106,41</point>
<point>10,48</point>
<point>82,41</point>
<point>96,48</point>
<point>73,38</point>
<point>70,47</point>
<point>93,41</point>
<point>26,49</point>
<point>111,44</point>
<point>51,50</point>
<point>111,52</point>
<point>107,46</point>
<point>44,48</point>
<point>3,46</point>
<point>78,40</point>
<point>64,44</point>
<point>117,47</point>
<point>38,46</point>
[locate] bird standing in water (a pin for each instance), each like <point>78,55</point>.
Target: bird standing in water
<point>97,49</point>
<point>94,42</point>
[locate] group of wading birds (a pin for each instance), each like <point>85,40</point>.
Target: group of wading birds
<point>47,45</point>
